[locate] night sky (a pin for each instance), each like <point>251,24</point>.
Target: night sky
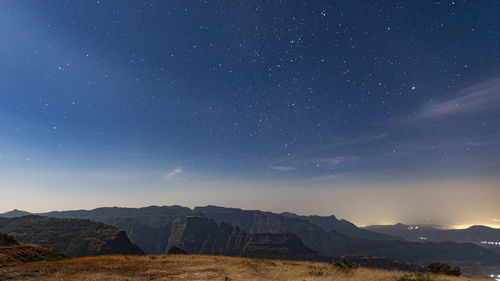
<point>376,111</point>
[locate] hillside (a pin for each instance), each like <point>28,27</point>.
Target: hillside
<point>12,252</point>
<point>193,267</point>
<point>74,237</point>
<point>7,240</point>
<point>22,253</point>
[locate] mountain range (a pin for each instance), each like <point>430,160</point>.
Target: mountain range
<point>253,233</point>
<point>484,236</point>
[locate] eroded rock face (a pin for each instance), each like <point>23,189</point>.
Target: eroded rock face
<point>74,237</point>
<point>201,235</point>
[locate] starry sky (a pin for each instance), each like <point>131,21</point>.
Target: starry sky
<point>376,111</point>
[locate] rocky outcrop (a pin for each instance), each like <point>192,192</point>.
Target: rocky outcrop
<point>148,227</point>
<point>201,235</point>
<point>74,237</point>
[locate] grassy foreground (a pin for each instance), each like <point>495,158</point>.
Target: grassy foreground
<point>195,267</point>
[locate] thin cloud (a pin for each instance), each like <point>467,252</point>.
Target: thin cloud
<point>338,160</point>
<point>176,171</point>
<point>482,96</point>
<point>283,168</point>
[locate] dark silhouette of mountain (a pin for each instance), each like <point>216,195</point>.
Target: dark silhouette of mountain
<point>148,227</point>
<point>174,250</point>
<point>75,237</point>
<point>14,214</point>
<point>337,244</point>
<point>151,228</point>
<point>201,235</point>
<point>342,226</point>
<point>473,234</point>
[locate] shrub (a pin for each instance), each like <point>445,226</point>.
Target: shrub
<point>442,268</point>
<point>315,270</point>
<point>6,240</point>
<point>56,256</point>
<point>346,265</point>
<point>416,277</point>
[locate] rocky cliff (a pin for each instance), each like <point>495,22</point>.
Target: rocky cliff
<point>201,235</point>
<point>74,237</point>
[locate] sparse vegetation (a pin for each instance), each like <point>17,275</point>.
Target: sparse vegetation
<point>6,240</point>
<point>196,267</point>
<point>56,256</point>
<point>315,270</point>
<point>416,277</point>
<point>346,265</point>
<point>442,268</point>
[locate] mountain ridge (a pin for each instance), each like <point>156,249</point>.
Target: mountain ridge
<point>74,237</point>
<point>151,228</point>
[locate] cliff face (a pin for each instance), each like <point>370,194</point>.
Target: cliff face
<point>200,235</point>
<point>254,222</point>
<point>74,237</point>
<point>334,243</point>
<point>148,227</point>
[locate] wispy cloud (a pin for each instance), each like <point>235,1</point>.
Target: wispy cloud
<point>174,172</point>
<point>283,168</point>
<point>338,160</point>
<point>482,96</point>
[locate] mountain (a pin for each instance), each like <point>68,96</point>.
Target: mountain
<point>74,237</point>
<point>14,214</point>
<point>330,223</point>
<point>201,235</point>
<point>151,228</point>
<point>473,234</point>
<point>148,227</point>
<point>334,243</point>
<point>156,229</point>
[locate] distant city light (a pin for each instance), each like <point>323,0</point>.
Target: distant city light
<point>497,243</point>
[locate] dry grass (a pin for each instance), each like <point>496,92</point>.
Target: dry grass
<point>191,267</point>
<point>20,253</point>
